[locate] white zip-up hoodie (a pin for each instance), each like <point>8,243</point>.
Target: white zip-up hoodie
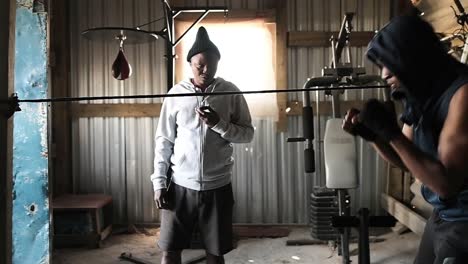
<point>200,157</point>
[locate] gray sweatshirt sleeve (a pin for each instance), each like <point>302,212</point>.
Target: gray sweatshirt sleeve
<point>164,145</point>
<point>239,129</point>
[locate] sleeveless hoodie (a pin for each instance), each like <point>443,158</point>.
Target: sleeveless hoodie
<point>429,78</point>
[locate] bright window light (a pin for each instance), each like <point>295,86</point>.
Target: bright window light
<point>247,59</point>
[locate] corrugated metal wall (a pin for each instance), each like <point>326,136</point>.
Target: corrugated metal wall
<point>114,155</point>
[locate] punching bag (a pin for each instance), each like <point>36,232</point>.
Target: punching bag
<point>121,69</point>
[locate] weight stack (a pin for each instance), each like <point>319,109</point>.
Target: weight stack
<point>323,206</point>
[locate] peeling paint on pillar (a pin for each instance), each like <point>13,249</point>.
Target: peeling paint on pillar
<point>30,152</point>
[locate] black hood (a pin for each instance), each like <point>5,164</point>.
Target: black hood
<point>411,50</point>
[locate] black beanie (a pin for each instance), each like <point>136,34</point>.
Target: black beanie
<point>202,43</point>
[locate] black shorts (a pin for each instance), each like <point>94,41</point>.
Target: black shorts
<point>210,210</point>
<point>443,242</point>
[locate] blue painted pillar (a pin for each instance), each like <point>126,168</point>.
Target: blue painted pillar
<point>30,152</point>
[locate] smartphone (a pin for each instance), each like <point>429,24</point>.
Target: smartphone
<point>205,109</point>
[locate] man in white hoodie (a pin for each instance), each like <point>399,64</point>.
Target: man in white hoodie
<point>194,148</point>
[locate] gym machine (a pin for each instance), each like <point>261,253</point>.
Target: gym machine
<point>339,150</point>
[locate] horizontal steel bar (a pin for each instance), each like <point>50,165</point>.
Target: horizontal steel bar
<point>91,98</point>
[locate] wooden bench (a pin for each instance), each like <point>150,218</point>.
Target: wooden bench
<point>84,219</point>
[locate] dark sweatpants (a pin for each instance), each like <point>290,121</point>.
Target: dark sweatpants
<point>443,242</point>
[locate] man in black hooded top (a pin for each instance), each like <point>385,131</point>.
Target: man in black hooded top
<point>433,144</point>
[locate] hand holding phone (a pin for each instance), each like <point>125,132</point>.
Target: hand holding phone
<point>208,115</point>
<point>205,109</point>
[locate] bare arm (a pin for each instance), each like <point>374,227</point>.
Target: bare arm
<point>351,123</point>
<point>446,175</point>
<point>388,153</point>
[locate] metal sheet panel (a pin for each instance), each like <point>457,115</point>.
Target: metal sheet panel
<point>114,155</point>
<point>139,165</point>
<point>269,183</point>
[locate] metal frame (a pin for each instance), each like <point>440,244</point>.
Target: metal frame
<point>168,32</point>
<point>335,77</point>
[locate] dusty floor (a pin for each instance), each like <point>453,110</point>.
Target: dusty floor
<point>396,249</point>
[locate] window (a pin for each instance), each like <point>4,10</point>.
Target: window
<point>247,59</point>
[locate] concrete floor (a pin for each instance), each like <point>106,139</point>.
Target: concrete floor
<point>395,249</point>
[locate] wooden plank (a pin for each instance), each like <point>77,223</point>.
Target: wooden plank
<point>294,108</point>
<point>281,63</point>
<point>440,14</point>
<point>82,201</point>
<point>106,232</point>
<point>395,183</point>
<point>115,110</point>
<point>61,172</point>
<point>403,214</point>
<point>322,39</point>
<point>181,59</point>
<point>407,181</point>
